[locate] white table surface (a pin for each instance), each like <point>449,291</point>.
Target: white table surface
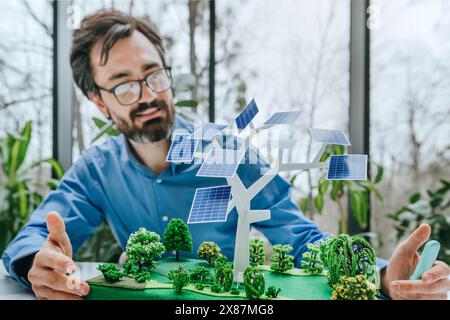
<point>11,290</point>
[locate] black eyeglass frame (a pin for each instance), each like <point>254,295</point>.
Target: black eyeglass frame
<point>112,90</point>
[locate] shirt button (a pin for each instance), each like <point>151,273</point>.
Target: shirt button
<point>165,218</point>
<point>159,180</point>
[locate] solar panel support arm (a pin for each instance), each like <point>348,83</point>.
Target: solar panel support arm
<point>258,215</point>
<point>303,166</point>
<point>320,153</point>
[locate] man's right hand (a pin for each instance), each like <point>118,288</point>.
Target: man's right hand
<point>53,263</point>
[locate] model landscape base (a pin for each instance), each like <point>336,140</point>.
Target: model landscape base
<point>296,284</point>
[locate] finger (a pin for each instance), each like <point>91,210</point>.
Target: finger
<point>417,238</point>
<point>424,296</point>
<point>43,292</point>
<point>55,260</point>
<point>440,270</point>
<point>57,232</point>
<point>395,294</point>
<point>59,282</point>
<point>410,287</point>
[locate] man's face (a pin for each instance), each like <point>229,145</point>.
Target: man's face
<point>149,119</point>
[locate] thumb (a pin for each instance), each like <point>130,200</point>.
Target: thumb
<point>57,234</point>
<point>417,238</point>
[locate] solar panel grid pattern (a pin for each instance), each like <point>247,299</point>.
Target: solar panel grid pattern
<point>210,205</point>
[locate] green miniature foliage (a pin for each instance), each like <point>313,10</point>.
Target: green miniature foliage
<point>110,271</point>
<point>142,276</point>
<point>199,286</point>
<point>257,254</point>
<point>235,289</point>
<point>177,237</point>
<point>179,278</point>
<point>254,283</point>
<point>129,268</point>
<point>143,248</point>
<point>280,261</point>
<point>354,288</point>
<point>220,261</point>
<point>208,251</point>
<point>272,292</point>
<point>224,276</point>
<point>349,256</point>
<point>311,260</point>
<point>200,274</point>
<point>216,287</point>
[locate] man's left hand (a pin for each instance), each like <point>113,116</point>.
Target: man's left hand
<point>434,283</point>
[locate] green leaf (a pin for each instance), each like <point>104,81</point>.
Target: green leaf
<point>56,166</point>
<point>98,122</point>
<point>293,178</point>
<point>359,208</point>
<point>414,198</point>
<point>436,201</point>
<point>339,150</point>
<point>370,187</point>
<point>187,104</point>
<point>379,174</point>
<point>337,189</point>
<point>26,135</point>
<point>304,205</point>
<point>53,184</point>
<point>14,148</point>
<point>107,129</point>
<point>23,200</point>
<point>318,203</point>
<point>323,186</point>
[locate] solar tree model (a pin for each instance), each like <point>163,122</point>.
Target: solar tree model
<point>213,204</point>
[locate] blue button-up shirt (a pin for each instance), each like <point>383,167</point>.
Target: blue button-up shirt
<point>108,182</point>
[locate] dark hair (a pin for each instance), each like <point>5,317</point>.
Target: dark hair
<point>107,26</point>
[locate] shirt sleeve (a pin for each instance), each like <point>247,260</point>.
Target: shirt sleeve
<point>287,224</point>
<point>76,200</point>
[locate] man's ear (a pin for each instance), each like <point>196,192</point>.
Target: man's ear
<point>95,98</point>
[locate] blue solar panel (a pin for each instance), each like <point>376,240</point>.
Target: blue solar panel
<point>329,136</point>
<point>244,118</point>
<point>208,131</point>
<point>182,149</point>
<point>347,167</point>
<point>286,117</point>
<point>210,205</point>
<point>220,163</point>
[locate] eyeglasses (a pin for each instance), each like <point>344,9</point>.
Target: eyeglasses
<point>129,92</point>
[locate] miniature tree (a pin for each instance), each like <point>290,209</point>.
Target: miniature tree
<point>208,251</point>
<point>142,276</point>
<point>177,237</point>
<point>110,271</point>
<point>235,288</point>
<point>257,255</point>
<point>216,287</point>
<point>281,262</point>
<point>272,292</point>
<point>200,275</point>
<point>129,268</point>
<point>224,275</point>
<point>254,283</point>
<point>179,278</point>
<point>349,256</point>
<point>311,260</point>
<point>143,248</point>
<point>354,288</point>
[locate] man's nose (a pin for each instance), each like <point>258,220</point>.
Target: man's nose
<point>148,95</point>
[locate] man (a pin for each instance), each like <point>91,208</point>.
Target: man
<point>118,62</point>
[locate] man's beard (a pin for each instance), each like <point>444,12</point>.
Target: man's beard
<point>153,130</point>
